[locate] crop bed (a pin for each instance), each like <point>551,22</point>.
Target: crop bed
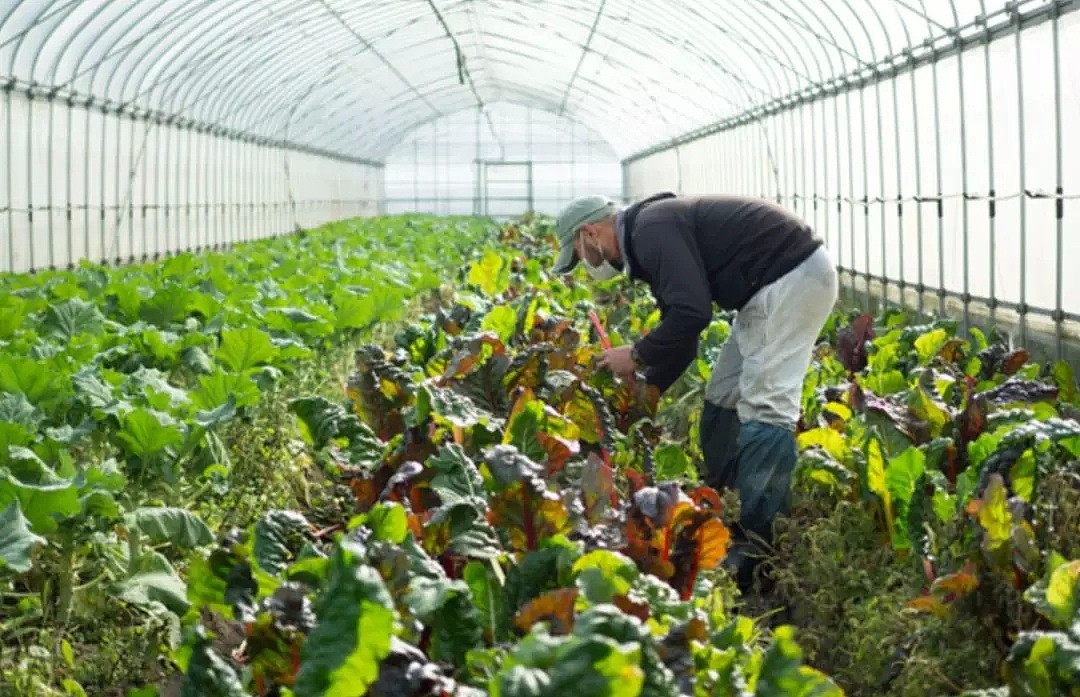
<point>484,512</point>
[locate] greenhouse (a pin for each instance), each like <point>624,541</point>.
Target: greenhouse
<point>528,348</point>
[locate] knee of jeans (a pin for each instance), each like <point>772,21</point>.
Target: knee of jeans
<point>767,456</point>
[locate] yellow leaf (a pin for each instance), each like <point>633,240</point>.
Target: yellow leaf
<point>826,438</point>
<point>875,480</point>
<point>1061,591</point>
<point>994,515</point>
<point>841,410</point>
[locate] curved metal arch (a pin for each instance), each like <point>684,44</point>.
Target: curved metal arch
<point>790,40</point>
<point>787,68</point>
<point>791,70</point>
<point>619,99</point>
<point>192,39</point>
<point>739,40</point>
<point>142,66</point>
<point>199,61</point>
<point>627,101</point>
<point>279,90</point>
<point>78,71</point>
<point>129,49</point>
<point>109,51</point>
<point>274,56</point>
<point>550,109</point>
<point>398,127</point>
<point>529,97</point>
<point>273,64</point>
<point>206,59</point>
<point>79,31</point>
<point>704,56</point>
<point>21,37</point>
<point>596,86</point>
<point>58,20</point>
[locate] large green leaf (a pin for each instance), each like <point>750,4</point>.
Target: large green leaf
<point>1057,596</point>
<point>322,421</point>
<point>15,408</point>
<point>91,390</point>
<point>168,305</point>
<point>463,528</point>
<point>13,312</point>
<point>995,518</point>
<point>589,666</point>
<point>216,388</point>
<point>146,588</point>
<point>355,312</point>
<point>387,521</point>
<point>603,574</point>
<point>279,536</point>
<point>783,674</point>
<point>195,358</point>
<point>487,593</point>
<point>207,674</point>
<point>447,607</point>
<point>671,462</point>
<point>457,478</point>
<point>18,422</point>
<point>16,540</point>
<point>40,383</point>
<point>42,502</point>
<point>174,526</point>
<point>355,622</point>
<point>154,385</point>
<point>243,349</point>
<point>901,474</point>
<point>451,407</point>
<point>64,321</point>
<point>145,434</point>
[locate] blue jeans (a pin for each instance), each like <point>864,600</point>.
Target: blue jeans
<point>754,395</point>
<point>756,460</point>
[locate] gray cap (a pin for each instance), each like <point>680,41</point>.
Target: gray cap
<point>580,211</point>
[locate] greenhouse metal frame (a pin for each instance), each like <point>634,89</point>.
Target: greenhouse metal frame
<point>929,142</point>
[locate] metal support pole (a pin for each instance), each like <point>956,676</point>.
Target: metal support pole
<point>1059,318</point>
<point>30,180</point>
<point>990,173</point>
<point>50,201</point>
<point>8,202</point>
<point>1022,309</point>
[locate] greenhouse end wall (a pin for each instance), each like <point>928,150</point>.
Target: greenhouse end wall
<point>79,183</point>
<point>950,185</point>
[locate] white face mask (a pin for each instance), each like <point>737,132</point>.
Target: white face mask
<point>604,272</point>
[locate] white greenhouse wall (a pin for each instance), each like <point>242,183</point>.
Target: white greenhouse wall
<point>77,183</point>
<point>510,159</point>
<point>934,142</point>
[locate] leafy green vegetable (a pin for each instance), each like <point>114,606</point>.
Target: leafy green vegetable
<point>16,540</point>
<point>355,622</point>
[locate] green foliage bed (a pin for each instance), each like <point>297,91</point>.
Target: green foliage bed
<point>472,508</point>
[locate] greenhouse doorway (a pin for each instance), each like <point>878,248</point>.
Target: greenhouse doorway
<point>507,188</point>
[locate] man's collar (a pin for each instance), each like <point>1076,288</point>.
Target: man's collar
<point>620,234</point>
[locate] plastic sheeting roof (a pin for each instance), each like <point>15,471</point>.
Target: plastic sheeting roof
<point>353,77</point>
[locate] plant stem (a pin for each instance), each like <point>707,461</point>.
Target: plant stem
<point>65,578</point>
<point>134,552</point>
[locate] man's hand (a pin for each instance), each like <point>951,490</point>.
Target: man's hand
<point>618,360</point>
